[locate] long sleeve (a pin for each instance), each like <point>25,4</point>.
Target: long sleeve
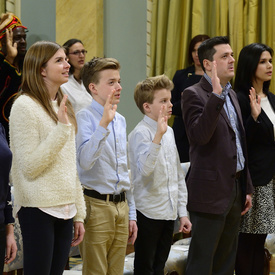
<point>200,117</point>
<point>156,173</point>
<point>5,194</point>
<point>182,192</point>
<point>43,170</point>
<point>147,152</point>
<point>79,202</point>
<point>90,140</point>
<point>34,154</point>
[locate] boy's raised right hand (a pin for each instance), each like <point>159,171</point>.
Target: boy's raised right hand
<point>162,125</point>
<point>109,111</point>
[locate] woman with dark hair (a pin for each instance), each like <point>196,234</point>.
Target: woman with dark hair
<point>183,79</point>
<point>47,192</point>
<point>74,88</point>
<point>253,76</point>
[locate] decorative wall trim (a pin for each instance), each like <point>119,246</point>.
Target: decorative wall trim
<point>148,44</point>
<point>10,6</point>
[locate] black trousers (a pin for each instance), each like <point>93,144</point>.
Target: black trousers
<point>46,242</point>
<point>152,245</point>
<point>250,254</point>
<point>2,246</point>
<point>214,239</point>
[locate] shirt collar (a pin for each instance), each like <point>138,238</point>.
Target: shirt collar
<point>98,107</point>
<point>151,122</point>
<point>206,76</point>
<point>225,89</point>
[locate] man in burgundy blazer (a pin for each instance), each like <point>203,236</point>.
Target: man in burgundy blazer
<point>218,181</point>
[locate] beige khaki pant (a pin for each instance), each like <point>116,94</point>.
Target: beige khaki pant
<point>106,234</point>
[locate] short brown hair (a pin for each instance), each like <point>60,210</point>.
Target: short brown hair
<point>145,90</point>
<point>91,70</point>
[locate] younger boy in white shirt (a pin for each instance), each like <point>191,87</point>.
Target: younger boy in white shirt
<point>159,187</point>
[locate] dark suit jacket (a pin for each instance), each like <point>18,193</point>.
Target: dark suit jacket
<point>260,141</point>
<point>213,152</point>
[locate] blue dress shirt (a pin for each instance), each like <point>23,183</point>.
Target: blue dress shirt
<point>232,116</point>
<point>102,154</point>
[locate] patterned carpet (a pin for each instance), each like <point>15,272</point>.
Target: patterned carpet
<point>75,264</point>
<point>74,261</point>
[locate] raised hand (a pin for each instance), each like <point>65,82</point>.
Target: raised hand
<point>11,47</point>
<point>162,120</point>
<point>217,88</point>
<point>62,111</point>
<point>255,103</point>
<point>162,124</point>
<point>109,110</point>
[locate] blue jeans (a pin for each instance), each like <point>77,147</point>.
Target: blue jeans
<point>46,242</point>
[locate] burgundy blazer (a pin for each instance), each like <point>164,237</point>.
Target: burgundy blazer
<point>213,153</point>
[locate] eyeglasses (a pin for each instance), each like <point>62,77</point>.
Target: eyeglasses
<point>79,52</point>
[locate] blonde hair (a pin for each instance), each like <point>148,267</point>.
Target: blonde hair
<point>145,90</point>
<point>33,84</point>
<point>90,72</point>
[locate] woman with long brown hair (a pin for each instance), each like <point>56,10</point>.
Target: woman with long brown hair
<point>47,192</point>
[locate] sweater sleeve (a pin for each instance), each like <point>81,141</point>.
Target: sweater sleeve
<point>33,153</point>
<point>80,203</point>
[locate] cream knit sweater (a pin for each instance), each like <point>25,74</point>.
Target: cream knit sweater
<point>44,159</point>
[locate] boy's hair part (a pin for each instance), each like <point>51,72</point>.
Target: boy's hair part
<point>90,72</point>
<point>145,90</point>
<point>206,49</point>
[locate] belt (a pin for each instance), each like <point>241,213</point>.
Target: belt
<point>238,175</point>
<point>113,198</point>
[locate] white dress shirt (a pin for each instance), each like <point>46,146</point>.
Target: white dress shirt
<point>77,94</point>
<point>158,180</point>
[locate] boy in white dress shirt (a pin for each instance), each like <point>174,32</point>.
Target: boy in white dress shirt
<point>159,186</point>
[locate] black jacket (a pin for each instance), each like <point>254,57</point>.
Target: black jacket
<point>5,166</point>
<point>182,79</point>
<point>260,141</point>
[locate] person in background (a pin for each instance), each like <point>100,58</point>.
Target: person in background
<point>159,187</point>
<point>13,50</point>
<point>102,166</point>
<point>218,181</point>
<point>253,76</point>
<point>48,196</point>
<point>183,79</point>
<point>74,88</point>
<point>8,246</point>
